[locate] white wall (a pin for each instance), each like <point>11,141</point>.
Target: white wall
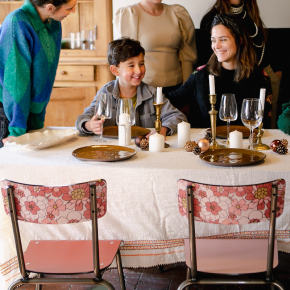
<point>275,13</point>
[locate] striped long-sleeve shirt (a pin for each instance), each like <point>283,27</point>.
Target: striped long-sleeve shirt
<point>29,54</point>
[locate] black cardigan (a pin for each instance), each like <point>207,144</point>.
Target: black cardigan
<point>195,92</point>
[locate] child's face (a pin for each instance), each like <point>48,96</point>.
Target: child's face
<point>131,72</point>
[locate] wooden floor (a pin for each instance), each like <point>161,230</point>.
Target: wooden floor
<point>152,279</point>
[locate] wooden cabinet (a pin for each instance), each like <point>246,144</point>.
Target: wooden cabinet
<point>80,73</point>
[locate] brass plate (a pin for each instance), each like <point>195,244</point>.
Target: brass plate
<point>112,131</point>
<point>103,153</point>
<point>221,131</point>
<point>232,157</point>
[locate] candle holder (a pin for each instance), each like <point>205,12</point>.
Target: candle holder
<point>259,145</point>
<point>213,112</point>
<point>158,124</point>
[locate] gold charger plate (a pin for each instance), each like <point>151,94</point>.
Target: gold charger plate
<point>103,153</point>
<point>232,157</point>
<point>221,131</point>
<point>112,131</point>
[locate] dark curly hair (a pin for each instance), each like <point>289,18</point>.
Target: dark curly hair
<point>56,3</point>
<point>122,49</point>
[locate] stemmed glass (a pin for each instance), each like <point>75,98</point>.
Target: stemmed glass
<point>125,117</point>
<point>228,111</point>
<point>251,116</point>
<point>103,110</point>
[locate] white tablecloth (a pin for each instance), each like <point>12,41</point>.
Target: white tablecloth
<point>142,197</point>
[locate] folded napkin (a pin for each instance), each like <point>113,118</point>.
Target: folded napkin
<point>284,119</point>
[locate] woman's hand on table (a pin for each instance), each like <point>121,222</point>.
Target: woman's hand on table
<point>94,125</point>
<point>163,132</point>
<point>7,139</point>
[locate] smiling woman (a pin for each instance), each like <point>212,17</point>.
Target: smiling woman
<point>30,39</point>
<point>234,66</point>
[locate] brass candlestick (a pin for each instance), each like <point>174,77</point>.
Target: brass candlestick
<point>214,144</point>
<point>259,145</point>
<point>158,123</point>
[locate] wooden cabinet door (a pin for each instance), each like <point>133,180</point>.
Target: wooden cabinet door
<point>66,104</point>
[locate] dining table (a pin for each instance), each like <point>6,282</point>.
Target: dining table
<point>142,197</point>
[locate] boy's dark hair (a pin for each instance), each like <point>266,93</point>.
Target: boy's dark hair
<point>122,49</point>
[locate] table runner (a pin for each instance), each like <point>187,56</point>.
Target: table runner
<point>142,198</point>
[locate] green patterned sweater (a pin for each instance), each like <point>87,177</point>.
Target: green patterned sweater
<point>29,54</point>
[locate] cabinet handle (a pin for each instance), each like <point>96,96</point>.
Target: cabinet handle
<point>63,72</point>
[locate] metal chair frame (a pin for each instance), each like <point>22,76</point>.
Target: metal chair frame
<point>97,280</point>
<point>192,273</point>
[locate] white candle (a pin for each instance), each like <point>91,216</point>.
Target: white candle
<point>236,139</point>
<point>124,135</point>
<point>156,143</point>
<point>262,98</point>
<point>124,119</point>
<point>159,97</point>
<point>183,133</point>
<point>211,85</point>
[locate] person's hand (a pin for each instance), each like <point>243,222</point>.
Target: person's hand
<point>6,139</point>
<point>163,132</point>
<point>94,125</point>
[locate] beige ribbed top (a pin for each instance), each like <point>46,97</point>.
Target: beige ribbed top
<point>168,40</point>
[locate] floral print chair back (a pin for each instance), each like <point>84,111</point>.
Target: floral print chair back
<point>240,207</point>
<point>61,205</point>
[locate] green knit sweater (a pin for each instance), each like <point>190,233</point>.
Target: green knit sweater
<point>29,54</point>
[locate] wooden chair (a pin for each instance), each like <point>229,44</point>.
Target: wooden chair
<point>230,205</point>
<point>61,205</point>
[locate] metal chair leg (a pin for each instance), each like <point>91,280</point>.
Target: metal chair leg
<point>188,276</point>
<point>39,286</point>
<point>120,270</point>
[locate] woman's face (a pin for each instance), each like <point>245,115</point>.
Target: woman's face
<point>64,10</point>
<point>224,46</point>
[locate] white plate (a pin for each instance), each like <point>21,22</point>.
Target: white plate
<point>41,140</point>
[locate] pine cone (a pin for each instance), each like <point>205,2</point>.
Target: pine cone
<point>189,146</point>
<point>255,138</point>
<point>284,142</point>
<point>208,136</point>
<point>281,149</point>
<point>196,150</point>
<point>144,144</point>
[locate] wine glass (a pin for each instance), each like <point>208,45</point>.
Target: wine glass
<point>228,111</point>
<point>125,117</point>
<point>103,110</point>
<point>251,116</point>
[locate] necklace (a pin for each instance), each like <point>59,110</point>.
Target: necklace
<point>237,10</point>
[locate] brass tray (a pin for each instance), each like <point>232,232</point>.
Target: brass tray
<point>221,131</point>
<point>103,153</point>
<point>232,157</point>
<point>112,131</point>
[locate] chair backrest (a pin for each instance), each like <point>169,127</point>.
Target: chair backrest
<point>55,204</point>
<point>231,204</point>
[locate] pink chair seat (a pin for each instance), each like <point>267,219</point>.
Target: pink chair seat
<point>68,257</point>
<point>231,256</point>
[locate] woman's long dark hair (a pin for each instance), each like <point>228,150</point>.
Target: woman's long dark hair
<point>224,7</point>
<point>56,3</point>
<point>245,56</point>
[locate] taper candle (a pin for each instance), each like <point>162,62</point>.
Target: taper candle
<point>156,143</point>
<point>124,130</point>
<point>159,97</point>
<point>211,85</point>
<point>183,133</point>
<point>262,98</point>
